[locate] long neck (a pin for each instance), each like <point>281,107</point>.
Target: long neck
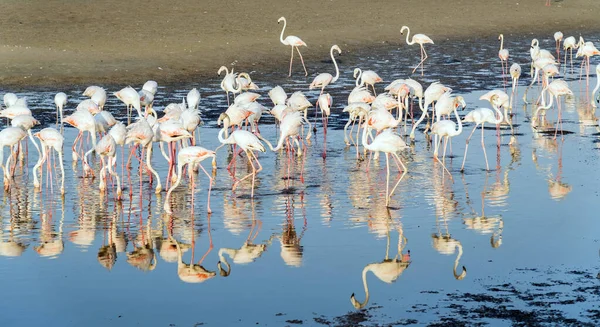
<point>360,305</point>
<point>357,76</point>
<point>365,142</point>
<point>501,41</point>
<point>407,34</point>
<point>463,274</point>
<point>500,115</point>
<point>283,29</point>
<point>460,127</point>
<point>546,107</point>
<point>223,260</point>
<point>597,85</point>
<point>337,71</point>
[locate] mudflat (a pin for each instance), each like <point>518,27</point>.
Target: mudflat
<point>128,42</point>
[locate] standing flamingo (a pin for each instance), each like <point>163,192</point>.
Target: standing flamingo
<point>515,73</point>
<point>323,79</point>
<point>433,92</point>
<point>191,155</point>
<point>229,82</point>
<point>294,42</point>
<point>420,39</point>
<point>367,77</point>
<point>447,129</point>
<point>83,121</point>
<point>558,36</point>
<point>503,55</point>
<point>9,136</point>
<point>50,138</point>
<point>60,100</point>
<point>480,116</point>
<point>193,98</point>
<point>107,147</point>
<point>131,99</point>
<point>570,43</point>
<point>388,143</point>
<point>140,133</point>
<point>557,88</point>
<point>248,142</point>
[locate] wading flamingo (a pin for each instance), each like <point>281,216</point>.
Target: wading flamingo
<point>9,136</point>
<point>191,156</point>
<point>503,55</point>
<point>60,100</point>
<point>480,116</point>
<point>367,77</point>
<point>50,138</point>
<point>557,88</point>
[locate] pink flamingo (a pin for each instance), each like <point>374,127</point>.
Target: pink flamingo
<point>50,138</point>
<point>294,42</point>
<point>191,155</point>
<point>557,88</point>
<point>9,136</point>
<point>107,147</point>
<point>420,39</point>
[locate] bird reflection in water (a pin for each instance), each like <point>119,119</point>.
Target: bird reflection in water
<point>117,241</point>
<point>194,273</point>
<point>291,250</point>
<point>442,241</point>
<point>249,251</point>
<point>51,241</point>
<point>558,189</point>
<point>387,270</point>
<point>167,247</point>
<point>20,222</point>
<point>488,224</point>
<point>143,256</point>
<point>587,119</point>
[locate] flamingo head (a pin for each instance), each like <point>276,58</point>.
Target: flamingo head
<point>459,101</point>
<point>280,19</point>
<point>337,48</point>
<point>402,29</point>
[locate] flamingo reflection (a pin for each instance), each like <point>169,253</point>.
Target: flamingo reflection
<point>387,270</point>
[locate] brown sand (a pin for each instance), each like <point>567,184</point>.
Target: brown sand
<point>127,42</point>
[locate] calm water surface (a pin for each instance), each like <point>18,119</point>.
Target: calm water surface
<point>526,231</point>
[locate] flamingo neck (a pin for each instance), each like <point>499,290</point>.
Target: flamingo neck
<point>357,75</point>
<point>283,29</point>
<point>501,41</point>
<point>360,305</point>
<point>337,70</point>
<point>464,271</point>
<point>407,34</point>
<point>500,115</point>
<point>460,127</point>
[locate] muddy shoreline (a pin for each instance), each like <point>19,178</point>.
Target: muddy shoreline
<point>109,42</point>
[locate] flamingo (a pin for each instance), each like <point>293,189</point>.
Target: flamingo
<point>229,82</point>
<point>420,39</point>
<point>9,136</point>
<point>150,86</point>
<point>246,82</point>
<point>83,121</point>
<point>26,122</point>
<point>433,92</point>
<point>323,79</point>
<point>10,99</point>
<point>60,100</point>
<point>107,147</point>
<point>50,138</point>
<point>248,142</point>
<point>587,50</point>
<point>278,95</point>
<point>388,143</point>
<point>99,97</point>
<point>14,111</point>
<point>367,77</point>
<point>558,36</point>
<point>445,244</point>
<point>191,155</point>
<point>294,42</point>
<point>503,55</point>
<point>557,89</point>
<point>569,43</point>
<point>515,73</point>
<point>131,99</point>
<point>193,98</point>
<point>447,129</point>
<point>140,133</point>
<point>190,119</point>
<point>119,134</point>
<point>480,116</point>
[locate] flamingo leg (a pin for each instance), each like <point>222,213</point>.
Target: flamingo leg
<point>387,184</point>
<point>302,60</point>
<point>210,183</point>
<point>291,60</point>
<point>487,167</point>
<point>462,168</point>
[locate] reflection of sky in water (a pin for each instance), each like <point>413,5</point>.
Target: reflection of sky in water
<point>302,249</point>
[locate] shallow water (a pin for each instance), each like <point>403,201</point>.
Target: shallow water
<point>525,231</point>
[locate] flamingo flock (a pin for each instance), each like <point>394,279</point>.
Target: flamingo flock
<point>179,124</point>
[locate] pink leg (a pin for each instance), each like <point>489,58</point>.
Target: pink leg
<point>301,59</point>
